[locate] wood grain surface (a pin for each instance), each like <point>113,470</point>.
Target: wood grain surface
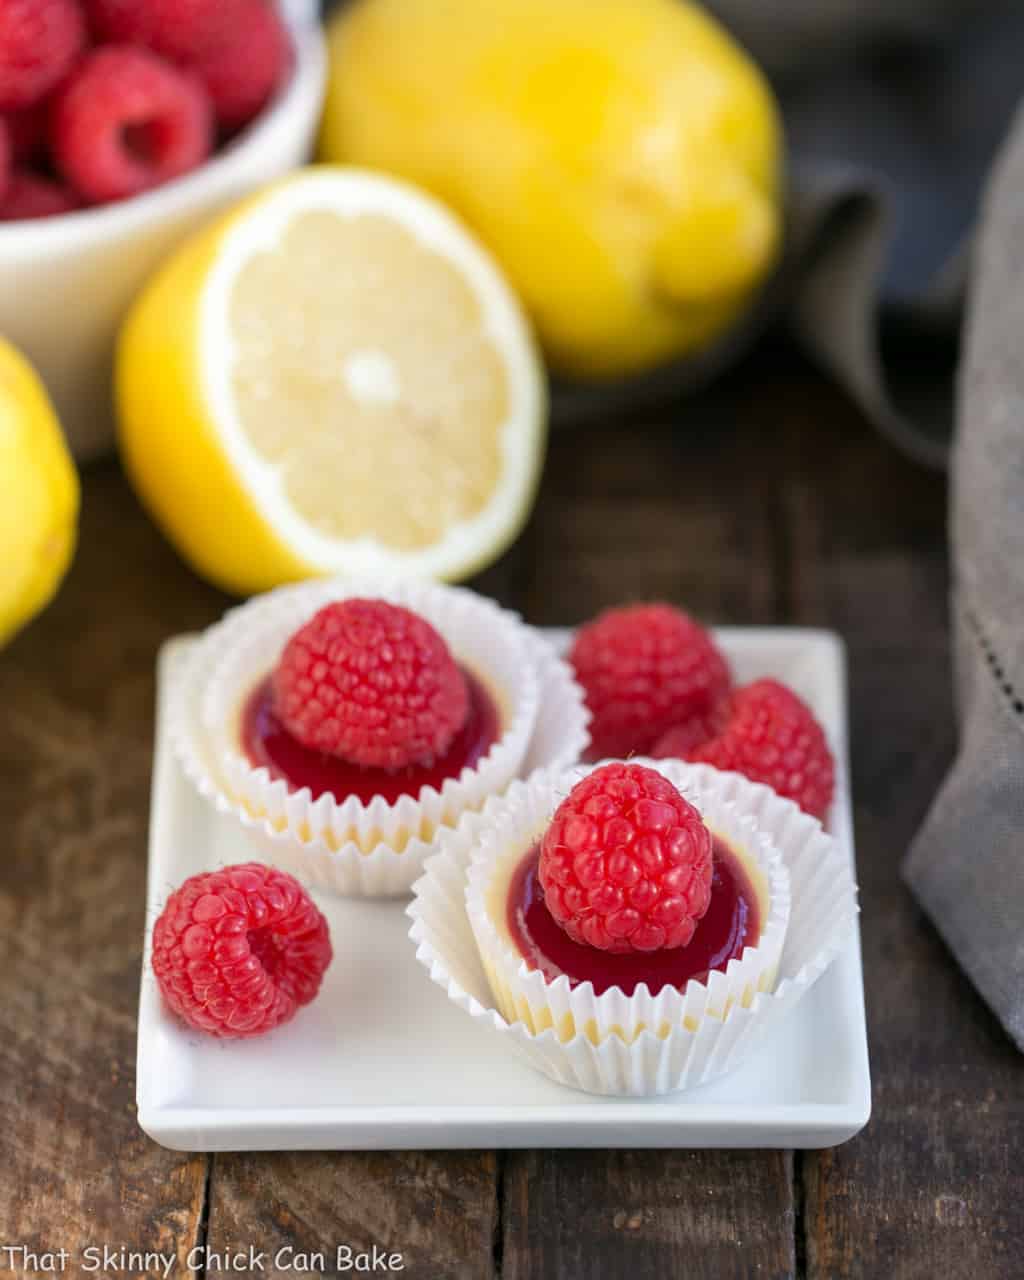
<point>766,500</point>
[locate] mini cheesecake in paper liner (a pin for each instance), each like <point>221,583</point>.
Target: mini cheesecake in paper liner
<point>350,847</point>
<point>644,1044</point>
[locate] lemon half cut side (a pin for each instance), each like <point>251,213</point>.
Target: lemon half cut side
<point>336,379</point>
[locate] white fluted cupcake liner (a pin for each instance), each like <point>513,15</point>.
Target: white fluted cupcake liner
<point>351,848</point>
<point>688,1038</point>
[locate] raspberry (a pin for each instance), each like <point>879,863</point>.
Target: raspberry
<point>370,682</point>
<point>39,40</point>
<point>179,29</point>
<point>626,863</point>
<point>241,76</point>
<point>6,150</point>
<point>127,121</point>
<point>645,669</point>
<point>30,196</point>
<point>27,132</point>
<point>769,735</point>
<point>236,952</point>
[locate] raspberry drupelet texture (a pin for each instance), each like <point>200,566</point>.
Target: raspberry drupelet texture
<point>241,75</point>
<point>372,683</point>
<point>645,669</point>
<point>238,951</point>
<point>30,196</point>
<point>39,40</point>
<point>179,29</point>
<point>626,864</point>
<point>771,736</point>
<point>126,121</point>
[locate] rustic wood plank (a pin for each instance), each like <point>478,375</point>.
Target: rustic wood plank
<point>622,1214</point>
<point>77,693</point>
<point>677,507</point>
<point>933,1186</point>
<point>436,1209</point>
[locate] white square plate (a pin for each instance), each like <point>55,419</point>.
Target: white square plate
<point>403,1068</point>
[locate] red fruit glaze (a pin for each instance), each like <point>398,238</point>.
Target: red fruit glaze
<point>373,683</point>
<point>126,121</point>
<point>29,196</point>
<point>731,922</point>
<point>645,669</point>
<point>180,29</point>
<point>238,951</point>
<point>39,40</point>
<point>242,74</point>
<point>771,736</point>
<point>626,862</point>
<point>267,742</point>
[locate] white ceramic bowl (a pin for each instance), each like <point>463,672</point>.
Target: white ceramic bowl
<point>66,282</point>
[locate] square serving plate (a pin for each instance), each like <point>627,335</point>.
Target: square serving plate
<point>383,1060</point>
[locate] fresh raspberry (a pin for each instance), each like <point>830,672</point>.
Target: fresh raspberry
<point>626,863</point>
<point>6,150</point>
<point>371,682</point>
<point>179,29</point>
<point>236,952</point>
<point>39,40</point>
<point>27,132</point>
<point>126,121</point>
<point>240,76</point>
<point>30,196</point>
<point>645,669</point>
<point>770,736</point>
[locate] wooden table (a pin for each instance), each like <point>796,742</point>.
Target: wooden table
<point>767,500</point>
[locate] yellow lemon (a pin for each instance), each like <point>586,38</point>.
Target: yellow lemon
<point>620,157</point>
<point>38,495</point>
<point>333,379</point>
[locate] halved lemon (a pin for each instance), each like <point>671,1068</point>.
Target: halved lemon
<point>335,378</point>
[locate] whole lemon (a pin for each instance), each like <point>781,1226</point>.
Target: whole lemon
<point>38,495</point>
<point>621,158</point>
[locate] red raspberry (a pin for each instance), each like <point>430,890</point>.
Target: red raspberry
<point>30,196</point>
<point>644,669</point>
<point>27,132</point>
<point>770,736</point>
<point>626,864</point>
<point>6,150</point>
<point>373,683</point>
<point>39,40</point>
<point>127,121</point>
<point>236,952</point>
<point>241,76</point>
<point>179,29</point>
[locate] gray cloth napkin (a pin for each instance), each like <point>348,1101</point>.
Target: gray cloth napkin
<point>967,865</point>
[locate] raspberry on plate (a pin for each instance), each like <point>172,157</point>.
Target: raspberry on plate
<point>645,669</point>
<point>371,682</point>
<point>238,951</point>
<point>241,75</point>
<point>126,121</point>
<point>39,40</point>
<point>30,196</point>
<point>626,864</point>
<point>179,29</point>
<point>770,736</point>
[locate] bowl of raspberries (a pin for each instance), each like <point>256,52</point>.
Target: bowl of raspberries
<point>123,124</point>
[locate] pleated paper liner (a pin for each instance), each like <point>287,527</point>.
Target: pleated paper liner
<point>375,849</point>
<point>596,1043</point>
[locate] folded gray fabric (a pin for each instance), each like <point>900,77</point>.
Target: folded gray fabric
<point>967,865</point>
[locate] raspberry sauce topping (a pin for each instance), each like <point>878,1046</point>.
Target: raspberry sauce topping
<point>267,742</point>
<point>731,922</point>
